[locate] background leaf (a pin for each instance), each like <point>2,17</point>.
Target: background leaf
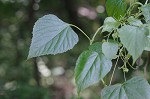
<point>135,88</point>
<point>51,36</point>
<point>91,67</point>
<point>116,8</point>
<point>110,49</point>
<point>146,12</point>
<point>133,39</point>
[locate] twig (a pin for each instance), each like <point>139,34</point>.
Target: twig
<point>113,71</point>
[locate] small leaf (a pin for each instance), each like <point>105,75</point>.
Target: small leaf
<point>146,12</point>
<point>110,24</point>
<point>135,88</point>
<point>133,39</point>
<point>110,49</point>
<point>51,36</point>
<point>134,22</point>
<point>116,8</point>
<point>91,67</point>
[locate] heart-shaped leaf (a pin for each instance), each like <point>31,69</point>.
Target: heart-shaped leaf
<point>51,36</point>
<point>116,8</point>
<point>91,67</point>
<point>110,49</point>
<point>135,88</point>
<point>133,39</point>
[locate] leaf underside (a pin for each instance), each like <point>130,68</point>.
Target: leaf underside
<point>135,88</point>
<point>51,36</point>
<point>134,22</point>
<point>146,12</point>
<point>134,40</point>
<point>110,49</point>
<point>110,24</point>
<point>147,48</point>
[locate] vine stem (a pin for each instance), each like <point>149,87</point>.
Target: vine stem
<point>132,5</point>
<point>115,67</point>
<point>124,76</point>
<point>113,72</point>
<point>92,40</point>
<point>103,82</point>
<point>131,66</point>
<point>81,32</point>
<point>146,2</point>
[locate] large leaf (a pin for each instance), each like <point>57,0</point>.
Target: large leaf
<point>116,8</point>
<point>146,12</point>
<point>51,36</point>
<point>96,47</point>
<point>91,67</point>
<point>133,39</point>
<point>135,88</point>
<point>110,24</point>
<point>147,48</point>
<point>110,49</point>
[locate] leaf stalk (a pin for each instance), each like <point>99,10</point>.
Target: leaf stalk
<point>93,38</point>
<point>81,32</point>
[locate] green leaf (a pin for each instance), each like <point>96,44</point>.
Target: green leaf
<point>110,24</point>
<point>133,39</point>
<point>96,47</point>
<point>135,88</point>
<point>110,49</point>
<point>146,12</point>
<point>116,8</point>
<point>91,67</point>
<point>147,48</point>
<point>51,36</point>
<point>114,92</point>
<point>134,22</point>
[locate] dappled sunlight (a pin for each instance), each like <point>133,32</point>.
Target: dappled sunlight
<point>100,9</point>
<point>43,68</point>
<point>87,12</point>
